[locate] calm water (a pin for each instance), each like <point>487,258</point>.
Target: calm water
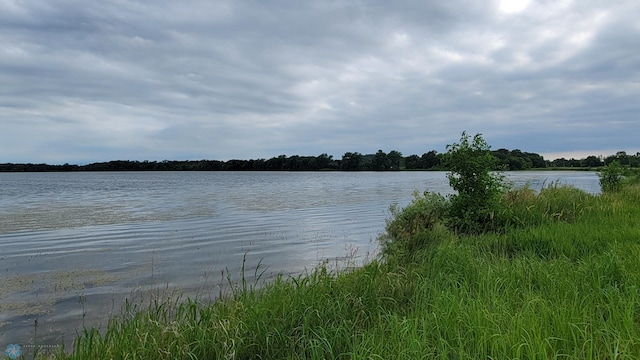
<point>74,245</point>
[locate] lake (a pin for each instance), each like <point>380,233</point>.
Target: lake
<point>75,245</point>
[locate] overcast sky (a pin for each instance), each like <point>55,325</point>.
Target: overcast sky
<point>87,81</point>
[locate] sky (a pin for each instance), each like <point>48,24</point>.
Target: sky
<point>85,81</point>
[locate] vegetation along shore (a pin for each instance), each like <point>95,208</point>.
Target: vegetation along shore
<point>350,161</point>
<point>491,272</point>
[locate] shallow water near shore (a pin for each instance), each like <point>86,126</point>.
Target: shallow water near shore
<point>75,245</point>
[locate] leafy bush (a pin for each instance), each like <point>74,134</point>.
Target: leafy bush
<point>611,177</point>
<point>408,228</point>
<point>477,200</point>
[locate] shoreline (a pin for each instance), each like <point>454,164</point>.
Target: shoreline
<point>515,284</point>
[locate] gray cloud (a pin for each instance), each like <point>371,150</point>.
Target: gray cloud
<point>92,81</point>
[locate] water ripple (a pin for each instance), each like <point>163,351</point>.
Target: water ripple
<point>101,237</point>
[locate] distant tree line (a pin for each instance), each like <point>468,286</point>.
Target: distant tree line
<point>594,161</point>
<point>350,161</point>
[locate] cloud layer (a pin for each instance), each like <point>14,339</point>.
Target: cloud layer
<point>86,81</point>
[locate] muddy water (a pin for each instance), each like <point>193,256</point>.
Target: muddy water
<point>73,246</point>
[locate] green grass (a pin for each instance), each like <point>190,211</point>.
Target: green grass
<point>560,281</point>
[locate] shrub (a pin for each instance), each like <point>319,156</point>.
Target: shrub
<point>407,229</point>
<point>611,177</point>
<point>477,200</point>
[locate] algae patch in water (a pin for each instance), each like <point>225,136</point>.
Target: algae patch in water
<point>33,294</point>
<point>60,216</point>
<point>65,216</point>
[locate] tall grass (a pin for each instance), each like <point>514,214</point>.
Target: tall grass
<point>560,281</point>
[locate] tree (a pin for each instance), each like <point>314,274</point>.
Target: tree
<point>478,190</point>
<point>276,163</point>
<point>592,161</point>
<point>537,161</point>
<point>351,161</point>
<point>622,157</point>
<point>324,161</point>
<point>395,160</point>
<point>380,161</point>
<point>515,163</point>
<point>412,162</point>
<point>430,159</point>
